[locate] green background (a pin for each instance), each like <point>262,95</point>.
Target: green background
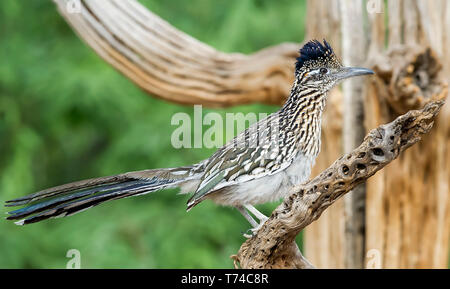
<point>66,115</point>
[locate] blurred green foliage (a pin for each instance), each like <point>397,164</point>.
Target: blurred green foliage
<point>66,115</point>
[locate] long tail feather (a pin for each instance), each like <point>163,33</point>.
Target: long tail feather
<point>66,188</point>
<point>69,199</point>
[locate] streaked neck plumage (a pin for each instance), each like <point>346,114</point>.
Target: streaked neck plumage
<point>302,114</point>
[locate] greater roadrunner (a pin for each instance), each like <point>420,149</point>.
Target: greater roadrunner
<point>257,166</point>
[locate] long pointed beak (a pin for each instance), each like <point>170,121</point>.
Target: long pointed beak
<point>348,72</point>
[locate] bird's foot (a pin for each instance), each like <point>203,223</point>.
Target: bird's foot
<point>256,226</point>
<point>252,232</point>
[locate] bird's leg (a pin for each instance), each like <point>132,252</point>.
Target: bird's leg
<point>247,216</point>
<point>261,217</point>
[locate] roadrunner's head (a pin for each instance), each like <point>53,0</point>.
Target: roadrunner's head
<point>318,68</point>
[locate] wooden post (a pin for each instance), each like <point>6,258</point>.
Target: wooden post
<point>353,131</point>
<point>409,229</point>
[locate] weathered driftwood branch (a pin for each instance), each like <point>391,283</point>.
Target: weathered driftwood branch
<point>171,65</point>
<point>274,244</point>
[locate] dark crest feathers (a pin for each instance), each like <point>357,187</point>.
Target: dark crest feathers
<point>313,50</point>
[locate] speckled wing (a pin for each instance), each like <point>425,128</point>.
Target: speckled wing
<point>241,160</point>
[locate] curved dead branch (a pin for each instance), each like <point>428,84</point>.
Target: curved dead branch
<point>174,66</point>
<point>274,244</point>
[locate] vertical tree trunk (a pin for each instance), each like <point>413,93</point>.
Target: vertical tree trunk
<point>324,240</point>
<point>408,229</point>
<point>353,54</point>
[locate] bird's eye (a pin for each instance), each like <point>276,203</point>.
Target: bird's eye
<point>323,70</point>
